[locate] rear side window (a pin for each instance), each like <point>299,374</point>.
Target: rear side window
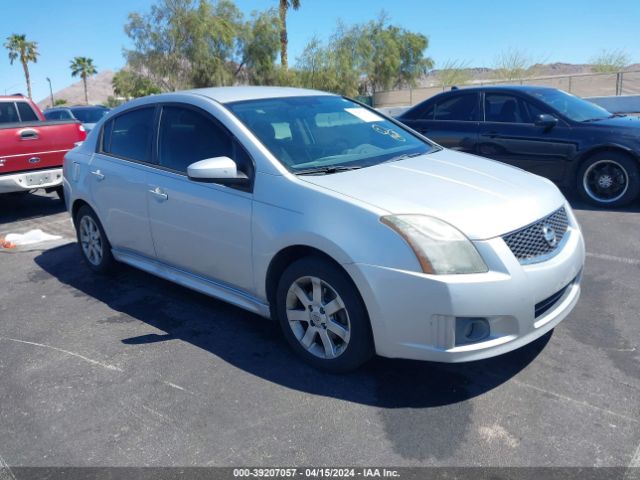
<point>462,108</point>
<point>187,136</point>
<point>129,135</point>
<point>26,112</point>
<point>8,113</point>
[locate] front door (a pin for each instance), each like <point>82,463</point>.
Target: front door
<point>509,135</point>
<point>202,228</point>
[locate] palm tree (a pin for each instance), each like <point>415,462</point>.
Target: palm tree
<point>284,40</point>
<point>84,67</point>
<point>20,48</point>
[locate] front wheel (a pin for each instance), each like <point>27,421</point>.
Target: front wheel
<point>322,316</point>
<point>609,179</point>
<point>94,245</point>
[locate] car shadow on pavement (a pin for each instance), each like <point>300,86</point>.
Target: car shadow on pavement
<point>578,203</point>
<point>16,207</point>
<point>256,345</point>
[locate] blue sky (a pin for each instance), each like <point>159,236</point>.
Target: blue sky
<point>473,31</point>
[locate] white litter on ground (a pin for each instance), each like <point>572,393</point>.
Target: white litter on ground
<point>31,237</point>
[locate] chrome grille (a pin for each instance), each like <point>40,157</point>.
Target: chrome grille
<point>529,244</point>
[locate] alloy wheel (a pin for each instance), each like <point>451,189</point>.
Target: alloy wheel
<point>606,181</point>
<point>318,317</point>
<point>91,240</point>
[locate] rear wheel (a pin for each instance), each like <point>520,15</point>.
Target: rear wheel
<point>322,316</point>
<point>609,179</point>
<point>94,245</point>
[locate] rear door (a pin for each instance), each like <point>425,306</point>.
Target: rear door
<point>118,179</point>
<point>510,135</point>
<point>203,228</point>
<point>452,122</point>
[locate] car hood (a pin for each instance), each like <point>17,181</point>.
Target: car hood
<point>628,122</point>
<point>481,197</point>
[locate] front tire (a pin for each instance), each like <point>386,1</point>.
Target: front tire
<point>94,245</point>
<point>609,179</point>
<point>322,315</point>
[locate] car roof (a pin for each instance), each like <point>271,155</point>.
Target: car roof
<point>515,88</point>
<point>238,94</point>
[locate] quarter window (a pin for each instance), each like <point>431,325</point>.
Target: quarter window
<point>460,107</point>
<point>187,136</point>
<point>129,135</point>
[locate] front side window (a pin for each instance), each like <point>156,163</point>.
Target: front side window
<point>187,136</point>
<point>504,108</point>
<point>26,112</point>
<point>462,108</point>
<point>129,135</point>
<point>325,131</point>
<point>52,115</point>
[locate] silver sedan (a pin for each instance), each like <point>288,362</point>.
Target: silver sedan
<point>357,234</point>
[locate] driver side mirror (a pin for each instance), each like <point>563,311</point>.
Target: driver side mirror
<point>545,120</point>
<point>220,170</point>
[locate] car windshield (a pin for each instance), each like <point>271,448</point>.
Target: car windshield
<point>571,106</point>
<point>326,134</point>
<point>89,115</point>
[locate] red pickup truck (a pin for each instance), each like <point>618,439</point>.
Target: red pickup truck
<point>31,148</point>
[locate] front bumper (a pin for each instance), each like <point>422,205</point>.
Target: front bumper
<point>22,181</point>
<point>413,315</point>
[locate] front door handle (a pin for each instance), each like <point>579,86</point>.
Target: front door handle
<point>28,134</point>
<point>159,193</point>
<point>98,174</point>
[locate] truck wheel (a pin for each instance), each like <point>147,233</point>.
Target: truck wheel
<point>609,179</point>
<point>93,242</point>
<point>322,316</point>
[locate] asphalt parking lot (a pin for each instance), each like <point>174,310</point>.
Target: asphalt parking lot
<point>133,370</point>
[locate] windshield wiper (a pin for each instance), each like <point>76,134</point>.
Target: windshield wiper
<point>404,156</point>
<point>326,170</point>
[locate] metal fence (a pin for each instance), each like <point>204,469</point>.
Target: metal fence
<point>583,85</point>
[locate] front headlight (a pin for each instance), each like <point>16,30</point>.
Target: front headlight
<point>440,248</point>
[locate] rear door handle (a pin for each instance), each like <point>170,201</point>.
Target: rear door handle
<point>159,193</point>
<point>98,174</point>
<point>491,135</point>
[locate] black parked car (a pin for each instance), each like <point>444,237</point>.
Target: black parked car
<point>571,141</point>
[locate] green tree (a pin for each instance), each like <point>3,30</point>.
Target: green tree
<point>609,61</point>
<point>127,84</point>
<point>453,72</point>
<point>60,101</point>
<point>364,59</point>
<point>24,50</point>
<point>258,47</point>
<point>83,67</point>
<point>284,6</point>
<point>183,44</point>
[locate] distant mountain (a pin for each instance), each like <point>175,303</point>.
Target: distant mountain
<point>98,87</point>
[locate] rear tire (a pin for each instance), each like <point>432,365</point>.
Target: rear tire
<point>322,315</point>
<point>609,179</point>
<point>94,245</point>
